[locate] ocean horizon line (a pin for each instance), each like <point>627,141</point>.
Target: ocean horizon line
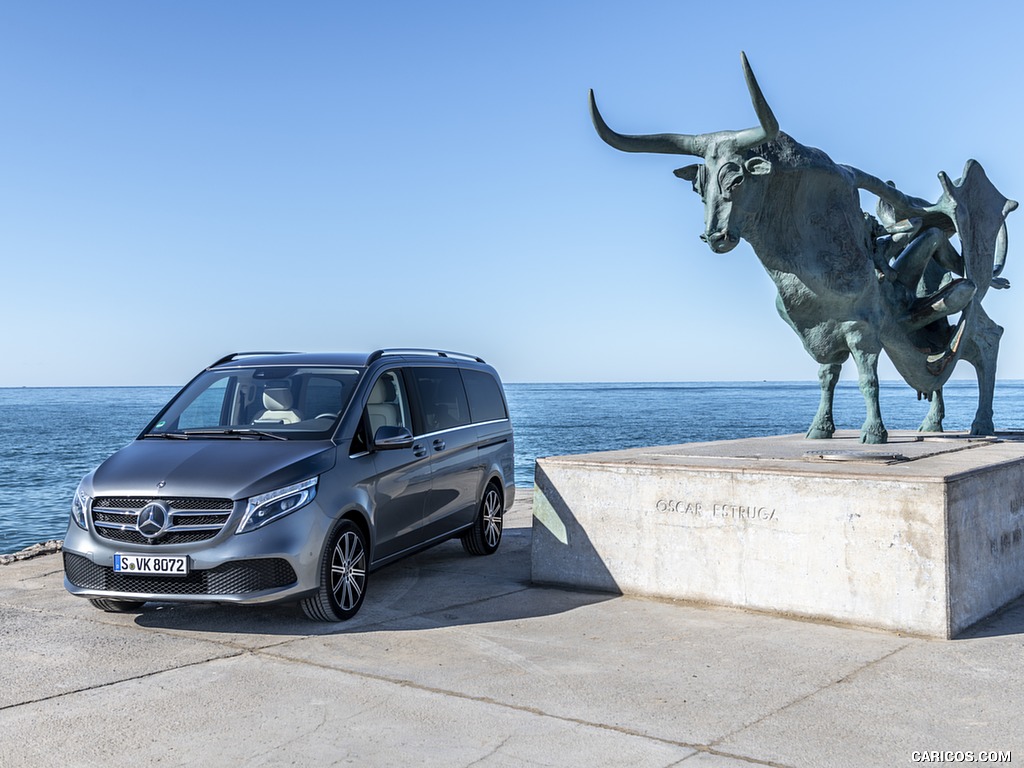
<point>843,382</point>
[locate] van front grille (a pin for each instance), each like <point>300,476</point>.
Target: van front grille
<point>189,519</point>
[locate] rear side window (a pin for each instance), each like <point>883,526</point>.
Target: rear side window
<point>442,398</point>
<point>485,400</point>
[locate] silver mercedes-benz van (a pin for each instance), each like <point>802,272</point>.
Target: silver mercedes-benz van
<point>277,477</point>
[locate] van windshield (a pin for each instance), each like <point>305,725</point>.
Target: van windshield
<point>277,402</point>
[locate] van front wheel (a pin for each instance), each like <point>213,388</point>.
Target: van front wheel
<point>485,535</point>
<point>344,573</point>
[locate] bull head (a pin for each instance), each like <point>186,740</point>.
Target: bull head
<point>728,164</point>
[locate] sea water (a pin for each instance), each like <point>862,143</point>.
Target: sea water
<point>51,437</point>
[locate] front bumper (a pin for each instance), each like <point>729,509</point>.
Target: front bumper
<point>277,563</point>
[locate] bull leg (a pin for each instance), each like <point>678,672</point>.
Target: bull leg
<point>873,430</point>
<point>823,427</point>
<point>983,423</point>
<point>981,351</point>
<point>936,413</point>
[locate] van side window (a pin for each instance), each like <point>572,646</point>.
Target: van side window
<point>388,405</point>
<point>359,442</point>
<point>485,400</point>
<point>442,398</point>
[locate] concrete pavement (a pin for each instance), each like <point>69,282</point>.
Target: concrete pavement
<point>457,661</point>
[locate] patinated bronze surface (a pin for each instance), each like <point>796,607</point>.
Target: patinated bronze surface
<point>850,283</point>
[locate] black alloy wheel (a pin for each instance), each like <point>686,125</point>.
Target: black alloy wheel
<point>344,573</point>
<point>485,535</point>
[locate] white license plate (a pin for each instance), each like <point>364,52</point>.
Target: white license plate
<point>150,565</point>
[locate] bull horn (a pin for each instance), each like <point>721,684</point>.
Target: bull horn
<point>658,143</point>
<point>769,126</point>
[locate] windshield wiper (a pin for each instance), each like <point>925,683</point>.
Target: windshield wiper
<point>245,432</point>
<point>168,435</point>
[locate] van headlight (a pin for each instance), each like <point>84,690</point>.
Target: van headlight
<point>273,505</point>
<point>80,506</point>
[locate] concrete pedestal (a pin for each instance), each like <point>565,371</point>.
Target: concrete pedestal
<point>922,535</point>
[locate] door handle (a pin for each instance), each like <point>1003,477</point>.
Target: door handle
<point>419,451</point>
<point>439,444</point>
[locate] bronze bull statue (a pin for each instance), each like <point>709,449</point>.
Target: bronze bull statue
<point>848,283</point>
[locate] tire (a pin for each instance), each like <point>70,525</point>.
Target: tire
<point>485,535</point>
<point>116,606</point>
<point>343,576</point>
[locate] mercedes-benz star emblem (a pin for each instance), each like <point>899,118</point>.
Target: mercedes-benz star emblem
<point>152,520</point>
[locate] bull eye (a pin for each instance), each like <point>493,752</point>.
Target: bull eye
<point>729,177</point>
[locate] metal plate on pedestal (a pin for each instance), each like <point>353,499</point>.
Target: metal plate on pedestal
<point>873,457</point>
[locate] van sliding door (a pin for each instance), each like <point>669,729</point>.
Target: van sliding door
<point>451,439</point>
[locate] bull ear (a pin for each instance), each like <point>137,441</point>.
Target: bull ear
<point>757,166</point>
<point>689,173</point>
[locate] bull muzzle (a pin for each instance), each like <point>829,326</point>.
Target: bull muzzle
<point>720,242</point>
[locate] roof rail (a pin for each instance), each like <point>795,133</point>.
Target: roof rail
<point>413,351</point>
<point>236,355</point>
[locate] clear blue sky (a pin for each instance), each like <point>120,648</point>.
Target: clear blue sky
<point>185,179</point>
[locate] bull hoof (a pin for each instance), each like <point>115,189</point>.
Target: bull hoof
<point>983,427</point>
<point>930,426</point>
<point>874,435</point>
<point>822,428</point>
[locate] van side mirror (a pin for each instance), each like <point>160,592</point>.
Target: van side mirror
<point>389,438</point>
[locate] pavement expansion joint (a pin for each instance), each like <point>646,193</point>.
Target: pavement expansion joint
<point>112,683</point>
<point>410,684</point>
<point>811,694</point>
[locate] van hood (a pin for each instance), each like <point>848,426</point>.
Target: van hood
<point>210,468</point>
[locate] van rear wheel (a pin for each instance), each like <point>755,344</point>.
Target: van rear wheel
<point>485,535</point>
<point>344,573</point>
